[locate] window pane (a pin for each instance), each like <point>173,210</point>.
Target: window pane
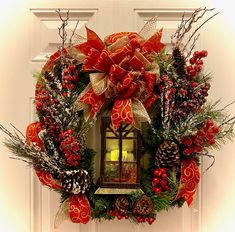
<point>129,172</point>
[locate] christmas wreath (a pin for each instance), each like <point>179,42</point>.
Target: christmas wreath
<point>151,100</point>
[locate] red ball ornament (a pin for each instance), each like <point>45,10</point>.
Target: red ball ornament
<point>32,131</point>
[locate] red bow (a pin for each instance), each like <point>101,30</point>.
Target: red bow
<point>122,71</point>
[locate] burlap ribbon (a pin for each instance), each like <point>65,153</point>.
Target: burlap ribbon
<point>123,72</point>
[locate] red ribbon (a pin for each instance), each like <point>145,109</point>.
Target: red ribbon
<point>124,61</point>
<point>79,207</point>
<point>47,179</point>
<point>32,131</point>
<point>189,180</point>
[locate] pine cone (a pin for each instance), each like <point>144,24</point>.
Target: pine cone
<point>179,63</point>
<point>75,181</point>
<point>143,206</point>
<point>167,154</point>
<point>122,205</point>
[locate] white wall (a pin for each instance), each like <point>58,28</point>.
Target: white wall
<point>218,184</point>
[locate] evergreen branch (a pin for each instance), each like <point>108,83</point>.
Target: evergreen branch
<point>30,152</point>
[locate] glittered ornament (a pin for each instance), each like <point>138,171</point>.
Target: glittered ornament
<point>75,181</point>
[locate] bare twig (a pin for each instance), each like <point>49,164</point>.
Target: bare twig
<point>62,33</point>
<point>198,28</point>
<point>212,163</point>
<point>73,32</point>
<point>17,130</point>
<point>187,24</point>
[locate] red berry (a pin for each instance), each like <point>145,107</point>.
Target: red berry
<point>198,149</point>
<point>196,54</point>
<point>188,142</point>
<point>215,129</point>
<point>157,190</point>
<point>164,176</point>
<point>163,183</point>
<point>75,78</point>
<point>71,67</point>
<point>192,72</point>
<point>192,60</point>
<point>164,78</point>
<point>156,181</point>
<point>183,92</point>
<point>126,216</point>
<point>211,142</point>
<point>189,68</point>
<point>194,84</point>
<point>198,68</point>
<point>156,173</point>
<point>199,62</point>
<point>203,53</point>
<point>166,188</point>
<point>162,170</point>
<point>187,151</point>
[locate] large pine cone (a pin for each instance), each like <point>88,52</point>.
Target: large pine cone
<point>75,181</point>
<point>167,154</point>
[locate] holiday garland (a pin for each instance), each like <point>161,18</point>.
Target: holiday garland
<point>136,81</point>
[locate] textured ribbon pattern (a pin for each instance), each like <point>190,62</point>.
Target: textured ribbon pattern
<point>189,180</point>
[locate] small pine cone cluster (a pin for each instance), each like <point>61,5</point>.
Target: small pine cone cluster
<point>75,181</point>
<point>167,154</point>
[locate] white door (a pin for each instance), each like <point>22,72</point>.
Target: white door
<point>29,35</point>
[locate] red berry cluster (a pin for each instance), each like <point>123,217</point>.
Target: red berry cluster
<point>115,213</point>
<point>196,63</point>
<point>141,219</point>
<point>159,182</point>
<point>204,137</point>
<point>42,98</point>
<point>69,79</point>
<point>43,105</point>
<point>69,147</point>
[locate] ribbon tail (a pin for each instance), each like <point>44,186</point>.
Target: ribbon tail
<point>189,180</point>
<point>47,179</point>
<point>79,209</point>
<point>62,214</point>
<point>139,113</point>
<point>122,112</point>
